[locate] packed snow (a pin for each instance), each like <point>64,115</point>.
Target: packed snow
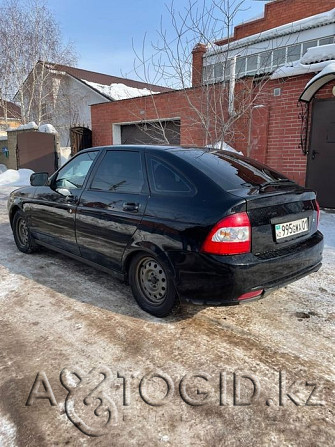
<point>328,70</point>
<point>120,91</point>
<point>319,54</point>
<point>223,146</point>
<point>31,125</point>
<point>65,155</point>
<point>297,68</point>
<point>11,177</point>
<point>3,168</point>
<point>47,128</point>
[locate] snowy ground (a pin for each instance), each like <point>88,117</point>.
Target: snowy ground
<point>57,313</point>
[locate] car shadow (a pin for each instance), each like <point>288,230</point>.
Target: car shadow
<point>78,281</point>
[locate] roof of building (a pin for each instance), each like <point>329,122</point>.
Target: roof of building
<point>276,14</point>
<point>105,79</point>
<point>13,111</point>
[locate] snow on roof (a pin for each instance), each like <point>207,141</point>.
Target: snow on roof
<point>329,69</point>
<point>318,81</point>
<point>319,54</point>
<point>118,91</point>
<point>223,146</point>
<point>47,128</point>
<point>297,68</point>
<point>315,21</point>
<point>31,125</point>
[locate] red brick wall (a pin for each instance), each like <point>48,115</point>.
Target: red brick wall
<point>279,13</point>
<point>270,132</point>
<point>177,104</point>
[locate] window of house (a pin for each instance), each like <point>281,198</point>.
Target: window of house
<point>293,53</point>
<point>279,56</point>
<point>310,44</point>
<point>265,60</point>
<point>119,171</point>
<point>326,41</point>
<point>208,72</point>
<point>218,70</point>
<point>240,65</point>
<point>252,63</point>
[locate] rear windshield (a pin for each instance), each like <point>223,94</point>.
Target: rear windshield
<point>228,170</point>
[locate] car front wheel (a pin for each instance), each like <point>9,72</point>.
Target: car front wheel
<point>152,285</point>
<point>22,236</point>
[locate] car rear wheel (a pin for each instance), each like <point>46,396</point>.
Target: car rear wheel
<point>152,285</point>
<point>22,236</point>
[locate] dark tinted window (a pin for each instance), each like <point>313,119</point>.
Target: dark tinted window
<point>119,171</point>
<point>74,173</point>
<point>165,179</point>
<point>229,171</point>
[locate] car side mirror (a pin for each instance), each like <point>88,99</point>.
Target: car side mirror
<point>39,179</point>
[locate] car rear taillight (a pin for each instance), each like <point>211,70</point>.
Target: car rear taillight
<point>230,236</point>
<point>317,212</point>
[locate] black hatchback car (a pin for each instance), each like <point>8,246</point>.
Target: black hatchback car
<point>180,224</point>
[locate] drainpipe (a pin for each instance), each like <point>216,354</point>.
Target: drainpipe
<point>232,81</point>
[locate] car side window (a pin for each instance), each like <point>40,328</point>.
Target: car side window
<point>119,171</point>
<point>165,179</point>
<point>74,173</point>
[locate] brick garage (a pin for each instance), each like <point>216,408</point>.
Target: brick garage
<point>269,131</point>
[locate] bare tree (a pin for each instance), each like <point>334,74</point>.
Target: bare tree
<point>217,103</point>
<point>29,34</point>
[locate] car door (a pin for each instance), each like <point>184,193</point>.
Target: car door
<point>53,209</point>
<point>111,207</point>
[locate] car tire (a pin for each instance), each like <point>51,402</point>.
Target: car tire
<point>152,285</point>
<point>22,236</point>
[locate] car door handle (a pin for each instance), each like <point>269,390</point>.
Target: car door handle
<point>130,206</point>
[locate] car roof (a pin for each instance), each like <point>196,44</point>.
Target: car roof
<point>152,147</point>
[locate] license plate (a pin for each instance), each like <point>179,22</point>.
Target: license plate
<point>290,229</point>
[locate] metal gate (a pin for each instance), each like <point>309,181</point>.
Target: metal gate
<point>36,151</point>
<point>321,155</point>
<point>163,132</point>
<point>81,138</point>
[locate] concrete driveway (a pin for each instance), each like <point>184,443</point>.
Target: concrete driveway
<point>81,364</point>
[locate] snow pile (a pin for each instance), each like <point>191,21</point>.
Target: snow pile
<point>328,70</point>
<point>223,146</point>
<point>11,177</point>
<point>47,128</point>
<point>120,91</point>
<point>65,155</point>
<point>7,432</point>
<point>31,125</point>
<point>3,168</point>
<point>327,226</point>
<point>319,54</point>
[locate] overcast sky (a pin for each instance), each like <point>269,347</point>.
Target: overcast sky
<point>103,30</point>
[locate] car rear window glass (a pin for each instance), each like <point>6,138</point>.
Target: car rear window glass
<point>165,179</point>
<point>119,171</point>
<point>229,171</point>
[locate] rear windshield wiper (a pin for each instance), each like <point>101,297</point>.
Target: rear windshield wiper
<point>278,182</point>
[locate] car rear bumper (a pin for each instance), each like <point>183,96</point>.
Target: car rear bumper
<point>218,280</point>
